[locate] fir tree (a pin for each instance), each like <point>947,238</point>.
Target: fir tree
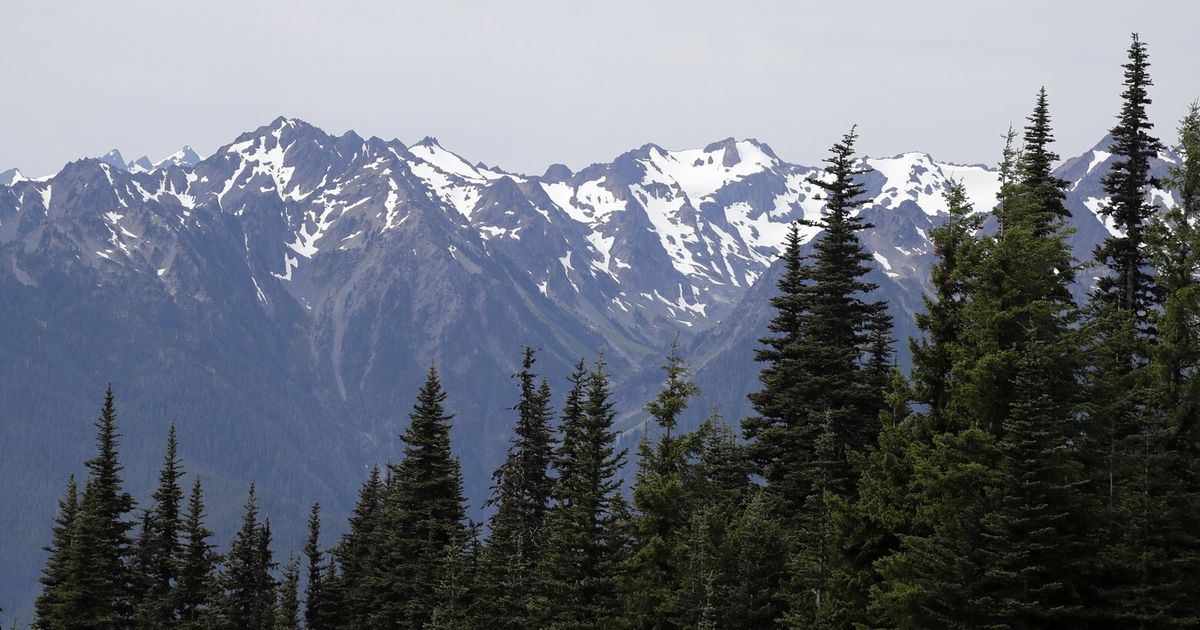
<point>1033,536</point>
<point>161,549</point>
<point>58,582</point>
<point>101,543</point>
<point>663,506</point>
<point>423,515</point>
<point>584,547</point>
<point>287,611</point>
<point>316,607</point>
<point>1014,296</point>
<point>941,321</point>
<point>1130,287</point>
<point>249,589</point>
<point>822,385</point>
<point>459,591</point>
<point>356,554</point>
<point>521,492</point>
<point>196,596</point>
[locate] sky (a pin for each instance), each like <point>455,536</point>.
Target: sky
<point>523,85</point>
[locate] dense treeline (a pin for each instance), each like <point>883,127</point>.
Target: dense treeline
<point>1037,468</point>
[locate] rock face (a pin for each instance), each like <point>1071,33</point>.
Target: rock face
<point>280,299</point>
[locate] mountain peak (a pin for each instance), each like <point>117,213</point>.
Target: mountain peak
<point>10,177</point>
<point>184,157</point>
<point>115,159</point>
<point>141,164</point>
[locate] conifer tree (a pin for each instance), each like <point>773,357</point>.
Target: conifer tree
<point>356,554</point>
<point>874,523</point>
<point>1033,538</point>
<point>941,320</point>
<point>1159,522</point>
<point>196,596</point>
<point>662,504</point>
<point>287,612</point>
<point>822,385</point>
<point>101,543</point>
<point>316,607</point>
<point>731,557</point>
<point>459,591</point>
<point>521,493</point>
<point>249,589</point>
<point>423,515</point>
<point>59,585</point>
<point>1130,287</point>
<point>1014,298</point>
<point>161,549</point>
<point>584,545</point>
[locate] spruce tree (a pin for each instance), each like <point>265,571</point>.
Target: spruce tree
<point>1033,538</point>
<point>1130,287</point>
<point>316,606</point>
<point>249,589</point>
<point>423,515</point>
<point>964,463</point>
<point>1160,520</point>
<point>662,507</point>
<point>584,542</point>
<point>459,592</point>
<point>822,385</point>
<point>521,493</point>
<point>941,320</point>
<point>59,584</point>
<point>197,594</point>
<point>287,611</point>
<point>356,554</point>
<point>161,550</point>
<point>102,545</point>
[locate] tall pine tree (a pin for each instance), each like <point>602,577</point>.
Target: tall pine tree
<point>662,507</point>
<point>59,583</point>
<point>423,515</point>
<point>102,546</point>
<point>822,383</point>
<point>161,549</point>
<point>249,588</point>
<point>521,493</point>
<point>584,540</point>
<point>197,594</point>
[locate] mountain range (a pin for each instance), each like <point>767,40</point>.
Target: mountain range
<point>280,300</point>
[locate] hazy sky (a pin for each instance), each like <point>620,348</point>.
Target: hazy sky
<point>526,84</point>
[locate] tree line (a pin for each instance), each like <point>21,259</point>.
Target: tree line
<point>1036,468</point>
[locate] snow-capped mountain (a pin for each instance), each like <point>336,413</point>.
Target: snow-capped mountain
<point>291,288</point>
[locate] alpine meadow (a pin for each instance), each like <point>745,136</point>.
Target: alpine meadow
<point>350,383</point>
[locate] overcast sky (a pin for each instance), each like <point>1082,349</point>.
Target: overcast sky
<point>526,84</point>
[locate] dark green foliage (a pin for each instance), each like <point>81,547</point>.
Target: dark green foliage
<point>942,319</point>
<point>59,583</point>
<point>1033,538</point>
<point>316,605</point>
<point>160,549</point>
<point>1130,287</point>
<point>287,611</point>
<point>198,590</point>
<point>585,542</point>
<point>249,588</point>
<point>422,516</point>
<point>102,549</point>
<point>461,591</point>
<point>351,590</point>
<point>521,492</point>
<point>663,506</point>
<point>827,365</point>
